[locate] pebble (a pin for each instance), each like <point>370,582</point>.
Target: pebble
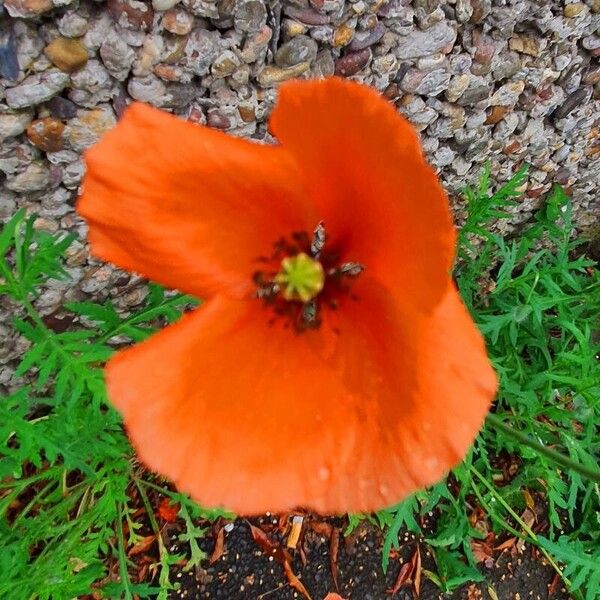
<point>272,75</point>
<point>226,64</point>
<point>9,60</point>
<point>131,14</point>
<point>365,39</point>
<point>162,5</point>
<point>256,45</point>
<point>200,51</point>
<point>14,124</point>
<point>427,83</point>
<point>524,44</point>
<point>67,54</point>
<point>34,178</point>
<point>506,65</point>
<point>496,114</point>
<point>591,42</point>
<point>299,49</point>
<point>477,90</point>
<point>343,35</point>
<point>86,129</point>
<point>117,57</point>
<point>61,108</point>
<point>438,38</point>
<point>47,134</point>
<point>72,25</point>
<point>178,22</point>
<point>457,86</point>
<point>574,10</point>
<point>577,98</point>
<point>91,85</point>
<point>507,94</point>
<point>352,62</point>
<point>27,9</point>
<point>307,16</point>
<point>36,89</point>
<point>249,15</point>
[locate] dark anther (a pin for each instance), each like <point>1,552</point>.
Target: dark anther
<point>350,269</point>
<point>268,291</point>
<point>309,313</point>
<point>318,240</point>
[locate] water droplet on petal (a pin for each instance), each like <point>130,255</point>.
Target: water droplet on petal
<point>431,463</point>
<point>324,473</point>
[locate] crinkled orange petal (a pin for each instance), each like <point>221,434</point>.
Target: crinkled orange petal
<point>244,413</point>
<point>187,206</point>
<point>365,171</point>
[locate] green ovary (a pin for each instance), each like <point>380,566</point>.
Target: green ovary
<point>301,277</point>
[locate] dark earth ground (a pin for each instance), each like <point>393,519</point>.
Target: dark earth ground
<point>245,571</point>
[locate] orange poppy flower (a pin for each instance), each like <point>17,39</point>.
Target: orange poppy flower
<point>332,364</point>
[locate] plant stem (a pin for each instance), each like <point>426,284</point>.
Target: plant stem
<point>552,455</point>
<point>528,531</point>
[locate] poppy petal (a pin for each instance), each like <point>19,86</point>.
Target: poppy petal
<point>187,206</point>
<point>232,409</point>
<point>426,387</point>
<point>244,413</point>
<point>365,171</point>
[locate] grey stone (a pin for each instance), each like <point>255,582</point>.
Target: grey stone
<point>592,42</point>
<point>505,65</point>
<point>61,108</point>
<point>73,174</point>
<point>8,205</point>
<point>477,90</point>
<point>14,124</point>
<point>579,97</point>
<point>426,83</point>
<point>73,25</point>
<point>15,156</point>
<point>117,56</point>
<point>464,10</point>
<point>457,86</point>
<point>148,89</point>
<point>62,157</point>
<point>423,43</point>
<point>93,78</point>
<point>249,15</point>
<point>34,178</point>
<point>29,44</point>
<point>507,94</point>
<point>202,8</point>
<point>300,48</point>
<point>89,126</point>
<point>37,89</point>
<point>99,28</point>
<point>364,39</point>
<point>200,51</point>
<point>506,127</point>
<point>443,157</point>
<point>57,202</point>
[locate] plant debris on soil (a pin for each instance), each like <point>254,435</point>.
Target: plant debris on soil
<point>251,566</point>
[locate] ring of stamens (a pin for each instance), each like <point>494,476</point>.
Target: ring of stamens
<point>307,278</point>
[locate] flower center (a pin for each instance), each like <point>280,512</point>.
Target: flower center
<point>301,277</point>
<point>309,280</point>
